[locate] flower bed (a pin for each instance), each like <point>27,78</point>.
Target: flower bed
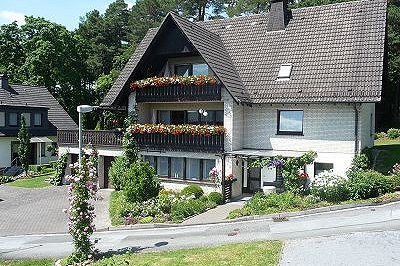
<point>205,130</point>
<point>198,80</point>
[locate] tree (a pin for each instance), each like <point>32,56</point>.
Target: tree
<point>197,9</point>
<point>24,147</point>
<point>249,7</point>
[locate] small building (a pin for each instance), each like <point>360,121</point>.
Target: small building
<point>43,115</point>
<point>286,82</point>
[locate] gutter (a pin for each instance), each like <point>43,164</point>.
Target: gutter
<point>356,119</point>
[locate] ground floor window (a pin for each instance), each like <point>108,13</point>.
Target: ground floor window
<point>181,167</point>
<point>320,167</point>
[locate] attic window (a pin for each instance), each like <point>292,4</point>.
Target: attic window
<point>285,71</point>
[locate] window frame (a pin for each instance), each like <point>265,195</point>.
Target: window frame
<point>321,163</point>
<point>34,119</point>
<point>9,119</point>
<point>296,133</point>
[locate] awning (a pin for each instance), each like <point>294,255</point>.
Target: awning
<point>40,140</point>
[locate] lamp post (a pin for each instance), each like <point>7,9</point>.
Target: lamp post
<point>82,109</point>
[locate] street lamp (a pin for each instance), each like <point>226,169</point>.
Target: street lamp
<point>83,109</point>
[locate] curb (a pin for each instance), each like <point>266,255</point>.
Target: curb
<point>255,217</point>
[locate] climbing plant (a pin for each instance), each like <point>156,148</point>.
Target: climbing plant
<point>24,147</point>
<point>60,166</point>
<point>292,169</point>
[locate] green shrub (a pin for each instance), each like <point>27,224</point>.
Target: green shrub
<point>186,208</point>
<point>60,166</point>
<point>6,179</point>
<point>146,220</point>
<point>141,182</point>
<point>369,184</point>
<point>164,203</point>
<point>393,133</point>
<point>360,162</point>
<point>216,197</point>
<point>380,135</point>
<point>329,187</point>
<point>194,190</point>
<point>118,171</point>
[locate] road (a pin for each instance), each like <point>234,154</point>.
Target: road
<point>382,220</point>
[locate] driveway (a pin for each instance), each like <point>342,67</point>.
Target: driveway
<point>37,211</point>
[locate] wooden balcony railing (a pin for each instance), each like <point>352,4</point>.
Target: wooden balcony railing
<point>153,141</point>
<point>177,93</point>
<point>94,137</point>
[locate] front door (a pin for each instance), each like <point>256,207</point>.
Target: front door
<point>253,180</point>
<point>107,164</point>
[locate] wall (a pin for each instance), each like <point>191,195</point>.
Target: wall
<point>5,151</point>
<point>367,125</point>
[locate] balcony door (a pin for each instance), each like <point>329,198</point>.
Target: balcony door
<point>177,117</point>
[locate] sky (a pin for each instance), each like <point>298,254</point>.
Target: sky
<point>64,12</point>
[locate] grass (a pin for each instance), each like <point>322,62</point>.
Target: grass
<point>43,262</point>
<point>255,253</point>
<point>33,182</point>
<point>389,154</point>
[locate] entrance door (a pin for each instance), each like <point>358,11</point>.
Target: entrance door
<point>253,180</point>
<point>107,164</point>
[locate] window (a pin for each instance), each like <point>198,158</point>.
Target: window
<point>290,122</point>
<point>37,119</point>
<point>193,117</point>
<point>151,160</point>
<point>2,119</point>
<point>27,117</point>
<point>191,69</point>
<point>320,167</point>
<point>193,169</point>
<point>285,71</point>
<point>177,167</point>
<point>13,119</point>
<point>162,166</point>
<point>183,70</point>
<point>177,117</point>
<point>207,166</point>
<point>200,69</point>
<point>164,117</point>
<point>219,117</point>
<point>42,149</point>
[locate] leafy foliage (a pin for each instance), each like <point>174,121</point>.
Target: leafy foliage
<point>216,197</point>
<point>118,171</point>
<point>24,147</point>
<point>369,184</point>
<point>329,187</point>
<point>193,190</point>
<point>60,167</point>
<point>141,182</point>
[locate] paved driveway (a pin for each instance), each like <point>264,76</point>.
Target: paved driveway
<point>36,211</point>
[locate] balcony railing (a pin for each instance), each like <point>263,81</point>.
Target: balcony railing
<point>149,141</point>
<point>93,137</point>
<point>178,93</point>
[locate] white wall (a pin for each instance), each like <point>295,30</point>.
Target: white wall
<point>367,125</point>
<point>5,151</point>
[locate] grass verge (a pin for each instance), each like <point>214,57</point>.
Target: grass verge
<point>389,154</point>
<point>255,253</point>
<point>43,262</point>
<point>33,182</point>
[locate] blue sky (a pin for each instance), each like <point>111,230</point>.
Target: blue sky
<point>64,12</point>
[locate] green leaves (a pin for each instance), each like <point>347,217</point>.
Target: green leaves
<point>24,147</point>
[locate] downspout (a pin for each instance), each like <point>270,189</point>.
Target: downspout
<point>356,119</point>
<point>223,177</point>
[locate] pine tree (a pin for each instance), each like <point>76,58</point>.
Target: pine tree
<point>24,148</point>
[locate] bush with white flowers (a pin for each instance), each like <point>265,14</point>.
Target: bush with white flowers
<point>330,187</point>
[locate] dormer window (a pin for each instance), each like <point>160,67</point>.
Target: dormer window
<point>285,71</point>
<point>13,119</point>
<point>191,69</point>
<point>2,119</point>
<point>37,120</point>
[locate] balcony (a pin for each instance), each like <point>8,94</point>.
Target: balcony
<point>177,93</point>
<point>177,88</point>
<point>148,141</point>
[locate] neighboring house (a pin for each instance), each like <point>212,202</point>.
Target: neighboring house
<point>288,82</point>
<point>43,115</point>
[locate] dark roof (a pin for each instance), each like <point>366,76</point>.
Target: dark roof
<point>30,96</point>
<point>337,53</point>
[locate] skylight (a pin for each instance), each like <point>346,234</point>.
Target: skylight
<point>285,71</point>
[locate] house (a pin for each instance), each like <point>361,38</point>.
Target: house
<point>43,115</point>
<point>286,82</point>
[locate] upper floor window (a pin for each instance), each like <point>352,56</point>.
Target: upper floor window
<point>213,117</point>
<point>37,120</point>
<point>13,119</point>
<point>27,117</point>
<point>290,122</point>
<point>2,119</point>
<point>191,69</point>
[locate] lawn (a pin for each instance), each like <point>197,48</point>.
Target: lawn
<point>44,262</point>
<point>255,253</point>
<point>33,182</point>
<point>389,154</point>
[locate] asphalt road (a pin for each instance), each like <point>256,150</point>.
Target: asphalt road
<point>367,220</point>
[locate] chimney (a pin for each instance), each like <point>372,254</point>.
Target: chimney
<point>4,81</point>
<point>279,15</point>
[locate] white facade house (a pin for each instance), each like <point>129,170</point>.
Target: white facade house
<point>43,117</point>
<point>287,82</point>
